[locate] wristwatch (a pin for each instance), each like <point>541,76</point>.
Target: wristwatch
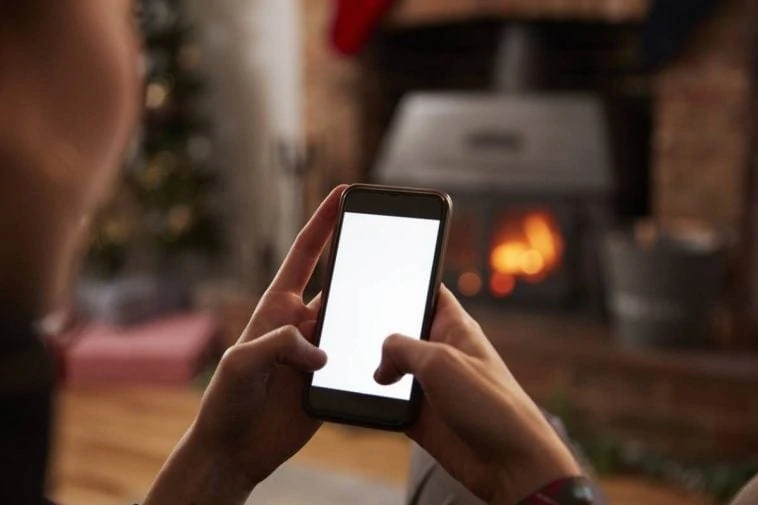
<point>568,491</point>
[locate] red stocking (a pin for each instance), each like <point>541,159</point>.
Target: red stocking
<point>355,21</point>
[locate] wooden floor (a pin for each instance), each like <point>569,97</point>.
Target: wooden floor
<point>112,442</point>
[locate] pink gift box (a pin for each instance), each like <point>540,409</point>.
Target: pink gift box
<point>170,350</point>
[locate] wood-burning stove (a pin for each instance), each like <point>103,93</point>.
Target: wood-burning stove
<point>533,187</point>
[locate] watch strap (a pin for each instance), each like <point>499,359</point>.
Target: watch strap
<point>567,491</point>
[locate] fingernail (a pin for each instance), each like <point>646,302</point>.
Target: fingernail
<point>378,375</point>
<point>317,356</point>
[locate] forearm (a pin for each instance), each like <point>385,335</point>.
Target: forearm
<point>195,475</point>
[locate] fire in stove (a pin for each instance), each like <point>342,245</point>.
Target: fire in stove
<point>533,184</point>
<point>526,247</point>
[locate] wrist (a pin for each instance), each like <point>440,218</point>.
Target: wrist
<point>197,473</point>
<point>543,465</point>
<point>222,462</point>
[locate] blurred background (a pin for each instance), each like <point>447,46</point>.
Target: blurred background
<point>602,159</point>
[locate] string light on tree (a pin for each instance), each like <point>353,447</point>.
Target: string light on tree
<point>179,219</point>
<point>156,95</point>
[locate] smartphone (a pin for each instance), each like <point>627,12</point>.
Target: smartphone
<point>384,275</point>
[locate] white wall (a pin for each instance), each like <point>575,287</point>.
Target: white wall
<point>252,53</point>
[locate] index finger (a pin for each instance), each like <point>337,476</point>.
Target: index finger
<point>446,301</point>
<point>454,326</point>
<point>303,256</point>
<point>449,311</point>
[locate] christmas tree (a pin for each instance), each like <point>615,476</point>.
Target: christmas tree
<point>161,212</point>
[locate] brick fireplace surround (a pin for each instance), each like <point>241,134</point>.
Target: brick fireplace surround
<point>694,404</point>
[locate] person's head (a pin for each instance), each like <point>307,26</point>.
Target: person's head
<point>69,103</point>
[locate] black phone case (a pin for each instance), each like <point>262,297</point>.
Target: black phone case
<point>417,393</point>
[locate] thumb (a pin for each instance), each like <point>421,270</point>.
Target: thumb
<point>283,346</point>
<point>401,355</point>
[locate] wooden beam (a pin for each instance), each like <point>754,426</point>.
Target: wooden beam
<point>424,12</point>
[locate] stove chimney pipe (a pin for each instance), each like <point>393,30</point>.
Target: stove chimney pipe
<point>519,60</point>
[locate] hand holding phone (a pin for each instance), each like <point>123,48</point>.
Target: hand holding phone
<point>250,420</point>
<point>384,277</point>
<point>475,418</point>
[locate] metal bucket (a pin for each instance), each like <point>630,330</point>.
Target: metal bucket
<point>662,293</point>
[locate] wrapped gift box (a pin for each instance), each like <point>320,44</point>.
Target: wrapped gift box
<point>171,350</point>
<point>60,344</point>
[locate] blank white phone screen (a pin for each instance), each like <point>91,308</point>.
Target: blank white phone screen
<point>379,287</point>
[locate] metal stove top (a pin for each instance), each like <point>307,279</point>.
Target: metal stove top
<point>547,145</point>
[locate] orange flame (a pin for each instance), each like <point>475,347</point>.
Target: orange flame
<point>528,247</point>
